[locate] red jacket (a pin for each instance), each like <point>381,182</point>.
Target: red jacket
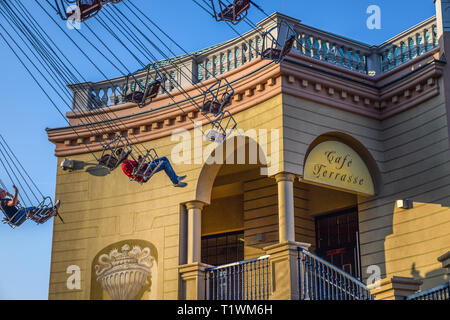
<point>128,168</point>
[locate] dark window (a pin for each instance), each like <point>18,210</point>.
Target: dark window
<point>223,248</point>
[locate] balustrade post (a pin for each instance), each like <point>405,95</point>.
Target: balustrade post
<point>283,264</point>
<point>395,288</point>
<point>82,96</point>
<point>193,276</point>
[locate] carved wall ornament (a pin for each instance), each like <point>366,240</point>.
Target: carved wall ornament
<point>123,274</point>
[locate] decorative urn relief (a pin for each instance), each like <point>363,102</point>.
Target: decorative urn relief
<point>123,275</point>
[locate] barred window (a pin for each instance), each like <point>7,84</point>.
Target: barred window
<point>223,248</point>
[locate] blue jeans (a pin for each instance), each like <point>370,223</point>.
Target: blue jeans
<point>167,167</point>
<point>21,215</point>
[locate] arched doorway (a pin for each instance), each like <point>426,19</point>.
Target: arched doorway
<point>241,217</point>
<point>338,173</point>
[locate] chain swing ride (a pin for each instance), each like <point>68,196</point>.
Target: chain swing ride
<point>141,87</point>
<point>26,204</point>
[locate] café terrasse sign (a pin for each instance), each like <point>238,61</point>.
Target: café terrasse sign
<point>336,165</point>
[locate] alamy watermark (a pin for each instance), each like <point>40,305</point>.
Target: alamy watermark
<point>374,20</point>
<point>74,280</point>
<point>73,17</point>
<point>375,276</point>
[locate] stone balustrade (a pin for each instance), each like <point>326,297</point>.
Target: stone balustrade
<point>408,45</point>
<point>332,49</point>
<point>212,62</point>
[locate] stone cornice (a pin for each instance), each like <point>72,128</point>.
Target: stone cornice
<point>363,95</point>
<point>255,83</point>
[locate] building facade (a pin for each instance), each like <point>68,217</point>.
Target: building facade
<point>341,151</point>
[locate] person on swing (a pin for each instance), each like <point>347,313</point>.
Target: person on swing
<point>128,167</point>
<point>17,216</point>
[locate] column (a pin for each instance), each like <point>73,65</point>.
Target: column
<point>194,231</point>
<point>286,220</point>
<point>193,273</point>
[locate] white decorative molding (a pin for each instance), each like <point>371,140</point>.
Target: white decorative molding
<point>123,275</point>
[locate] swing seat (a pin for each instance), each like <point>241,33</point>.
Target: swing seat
<point>109,158</point>
<point>143,172</point>
<point>215,136</point>
<point>42,215</point>
<point>143,175</point>
<point>210,106</point>
<point>278,54</point>
<point>235,12</point>
<point>112,162</point>
<point>17,219</point>
<point>153,89</point>
<point>88,9</point>
<point>271,54</point>
<point>43,212</point>
<point>144,98</point>
<point>212,103</point>
<point>221,127</point>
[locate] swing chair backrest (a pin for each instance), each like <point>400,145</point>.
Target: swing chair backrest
<point>221,128</point>
<point>15,220</point>
<point>87,9</point>
<point>151,92</point>
<point>288,45</point>
<point>211,102</point>
<point>109,157</point>
<point>234,12</point>
<point>277,48</point>
<point>153,89</point>
<point>145,94</point>
<point>143,172</point>
<point>44,211</point>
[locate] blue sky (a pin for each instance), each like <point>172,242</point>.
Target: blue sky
<point>26,112</point>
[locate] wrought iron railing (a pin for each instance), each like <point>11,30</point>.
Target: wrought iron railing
<point>244,280</point>
<point>441,292</point>
<point>320,280</point>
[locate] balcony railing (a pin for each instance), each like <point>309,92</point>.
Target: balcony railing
<point>320,280</point>
<point>244,280</point>
<point>441,292</point>
<point>332,49</point>
<point>409,45</point>
<point>221,58</point>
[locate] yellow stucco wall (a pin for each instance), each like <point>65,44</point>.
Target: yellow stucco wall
<point>102,208</point>
<point>411,151</point>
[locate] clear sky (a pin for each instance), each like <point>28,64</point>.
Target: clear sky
<point>26,112</point>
